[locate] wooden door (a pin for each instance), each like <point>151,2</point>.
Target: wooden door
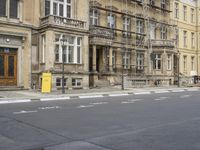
<point>8,68</point>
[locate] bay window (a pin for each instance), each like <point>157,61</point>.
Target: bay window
<point>72,50</point>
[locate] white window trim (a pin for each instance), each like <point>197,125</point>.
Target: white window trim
<point>169,62</point>
<point>64,3</point>
<point>94,17</point>
<point>75,45</point>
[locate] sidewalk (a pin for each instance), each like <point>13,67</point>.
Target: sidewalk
<point>86,93</point>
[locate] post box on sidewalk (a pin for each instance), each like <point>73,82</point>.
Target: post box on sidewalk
<point>46,82</point>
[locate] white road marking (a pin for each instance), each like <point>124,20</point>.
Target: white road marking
<point>140,93</point>
<point>185,96</point>
<point>177,91</point>
<point>50,107</point>
<point>15,101</point>
<point>90,96</point>
<point>127,102</point>
<point>160,98</point>
<point>131,101</point>
<point>113,95</point>
<point>99,103</point>
<point>161,91</point>
<point>85,106</point>
<point>24,112</point>
<point>193,89</point>
<point>54,99</point>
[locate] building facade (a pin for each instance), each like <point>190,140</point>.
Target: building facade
<point>15,43</point>
<point>62,38</point>
<point>186,15</point>
<point>132,38</point>
<point>99,42</point>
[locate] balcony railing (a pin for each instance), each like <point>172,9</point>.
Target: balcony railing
<point>101,33</point>
<point>63,22</point>
<point>163,43</point>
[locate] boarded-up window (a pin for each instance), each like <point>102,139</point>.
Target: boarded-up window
<point>2,8</point>
<point>13,8</point>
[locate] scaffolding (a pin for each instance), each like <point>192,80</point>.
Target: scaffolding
<point>140,38</point>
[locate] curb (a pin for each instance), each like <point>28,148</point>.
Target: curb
<point>45,99</point>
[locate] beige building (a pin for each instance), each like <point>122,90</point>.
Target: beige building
<point>134,38</point>
<point>147,42</point>
<point>61,37</point>
<point>15,43</point>
<point>186,15</point>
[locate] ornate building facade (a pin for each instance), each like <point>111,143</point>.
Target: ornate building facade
<point>99,42</point>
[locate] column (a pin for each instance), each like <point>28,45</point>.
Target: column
<point>110,59</point>
<point>94,57</point>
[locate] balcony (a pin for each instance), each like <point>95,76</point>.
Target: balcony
<point>62,22</point>
<point>101,33</point>
<point>163,43</point>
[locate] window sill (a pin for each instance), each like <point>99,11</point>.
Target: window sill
<point>59,63</point>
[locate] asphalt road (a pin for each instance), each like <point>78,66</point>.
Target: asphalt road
<point>168,121</point>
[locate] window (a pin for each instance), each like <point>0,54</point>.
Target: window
<point>192,63</point>
<point>12,6</point>
<point>185,38</point>
<point>176,10</point>
<point>163,4</point>
<point>43,47</point>
<point>59,82</point>
<point>192,40</point>
<point>58,8</point>
<point>177,36</point>
<point>192,15</point>
<point>140,61</point>
<point>126,60</point>
<point>152,31</point>
<point>126,23</point>
<point>47,7</point>
<point>184,63</point>
<point>76,82</point>
<point>163,32</point>
<point>151,2</point>
<point>94,17</point>
<point>185,13</point>
<point>111,20</point>
<point>3,8</point>
<point>72,49</point>
<point>114,59</point>
<point>140,26</point>
<point>169,61</point>
<point>157,61</point>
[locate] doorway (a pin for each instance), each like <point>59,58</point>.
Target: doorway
<point>8,66</point>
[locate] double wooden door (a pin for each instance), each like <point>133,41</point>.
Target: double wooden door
<point>8,67</point>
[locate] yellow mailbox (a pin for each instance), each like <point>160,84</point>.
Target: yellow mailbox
<point>46,82</point>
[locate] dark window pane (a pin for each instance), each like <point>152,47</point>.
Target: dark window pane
<point>68,11</point>
<point>47,7</point>
<point>1,65</point>
<point>60,10</point>
<point>11,66</point>
<point>13,8</point>
<point>2,8</point>
<point>55,6</point>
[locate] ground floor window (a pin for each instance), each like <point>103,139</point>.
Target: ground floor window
<point>59,82</point>
<point>76,82</point>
